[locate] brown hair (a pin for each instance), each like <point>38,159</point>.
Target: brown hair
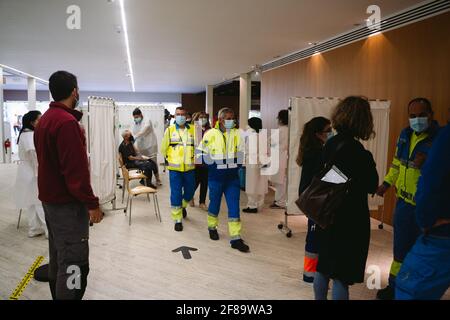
<point>353,116</point>
<point>309,140</point>
<point>197,115</point>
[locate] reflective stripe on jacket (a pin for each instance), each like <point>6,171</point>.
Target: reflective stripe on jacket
<point>410,155</point>
<point>178,151</point>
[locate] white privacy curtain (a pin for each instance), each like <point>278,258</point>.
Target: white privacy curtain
<point>303,110</point>
<point>102,147</point>
<point>151,112</point>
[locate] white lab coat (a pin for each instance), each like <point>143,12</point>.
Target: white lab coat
<point>280,176</point>
<point>146,141</point>
<point>256,185</point>
<point>25,189</point>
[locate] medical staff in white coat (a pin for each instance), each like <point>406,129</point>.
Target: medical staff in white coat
<point>26,191</point>
<point>146,141</point>
<point>279,180</point>
<point>256,185</point>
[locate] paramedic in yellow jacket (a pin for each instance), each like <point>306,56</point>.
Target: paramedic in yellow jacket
<point>177,148</point>
<point>413,146</point>
<point>222,151</point>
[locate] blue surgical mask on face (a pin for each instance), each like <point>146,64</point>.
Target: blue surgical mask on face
<point>180,120</point>
<point>203,121</point>
<point>137,120</point>
<point>229,124</point>
<point>419,124</point>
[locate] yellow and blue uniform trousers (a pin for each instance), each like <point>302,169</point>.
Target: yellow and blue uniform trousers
<point>404,174</point>
<point>224,183</point>
<point>178,148</point>
<point>222,152</point>
<point>182,189</point>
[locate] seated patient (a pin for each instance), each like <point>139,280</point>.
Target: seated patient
<point>132,160</point>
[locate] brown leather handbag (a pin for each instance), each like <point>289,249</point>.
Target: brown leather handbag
<point>321,200</point>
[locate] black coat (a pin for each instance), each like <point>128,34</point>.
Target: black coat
<point>343,247</point>
<point>311,166</point>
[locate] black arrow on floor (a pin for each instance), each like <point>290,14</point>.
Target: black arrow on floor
<point>185,251</point>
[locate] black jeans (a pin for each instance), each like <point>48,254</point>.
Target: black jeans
<point>148,167</point>
<point>68,236</point>
<point>201,178</point>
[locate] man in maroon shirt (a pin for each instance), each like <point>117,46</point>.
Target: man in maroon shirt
<point>65,189</point>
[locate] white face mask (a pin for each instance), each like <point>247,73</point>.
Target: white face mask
<point>203,121</point>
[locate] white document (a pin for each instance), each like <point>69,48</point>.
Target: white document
<point>335,176</point>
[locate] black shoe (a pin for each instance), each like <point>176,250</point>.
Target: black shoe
<point>387,293</point>
<point>240,245</point>
<point>213,235</point>
<point>41,273</point>
<point>249,210</point>
<point>275,206</point>
<point>184,213</point>
<point>178,227</point>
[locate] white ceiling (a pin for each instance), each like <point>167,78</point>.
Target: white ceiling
<point>176,45</point>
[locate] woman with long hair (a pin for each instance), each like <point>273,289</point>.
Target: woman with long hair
<point>26,192</point>
<point>315,134</point>
<point>201,122</point>
<point>344,245</point>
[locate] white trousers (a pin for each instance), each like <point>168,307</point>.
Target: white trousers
<point>36,219</point>
<point>255,201</point>
<point>280,194</point>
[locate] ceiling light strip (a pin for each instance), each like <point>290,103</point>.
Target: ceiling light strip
<point>127,43</point>
<point>22,73</point>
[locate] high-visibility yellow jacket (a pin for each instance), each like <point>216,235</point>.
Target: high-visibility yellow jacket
<point>178,149</point>
<point>222,150</point>
<point>410,155</point>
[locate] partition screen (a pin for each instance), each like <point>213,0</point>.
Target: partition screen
<point>303,110</point>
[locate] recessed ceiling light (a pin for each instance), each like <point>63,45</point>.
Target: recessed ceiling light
<point>127,44</point>
<point>22,73</point>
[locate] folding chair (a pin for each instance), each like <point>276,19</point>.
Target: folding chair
<point>133,174</point>
<point>134,192</point>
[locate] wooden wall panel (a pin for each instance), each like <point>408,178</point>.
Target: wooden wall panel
<point>398,65</point>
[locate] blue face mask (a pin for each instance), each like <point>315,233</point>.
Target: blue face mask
<point>137,120</point>
<point>419,124</point>
<point>180,120</point>
<point>229,124</point>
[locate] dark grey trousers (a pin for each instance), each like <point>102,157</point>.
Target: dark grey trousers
<point>68,235</point>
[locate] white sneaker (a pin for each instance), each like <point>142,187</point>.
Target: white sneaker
<point>34,234</point>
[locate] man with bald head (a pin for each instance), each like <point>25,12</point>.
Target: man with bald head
<point>412,150</point>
